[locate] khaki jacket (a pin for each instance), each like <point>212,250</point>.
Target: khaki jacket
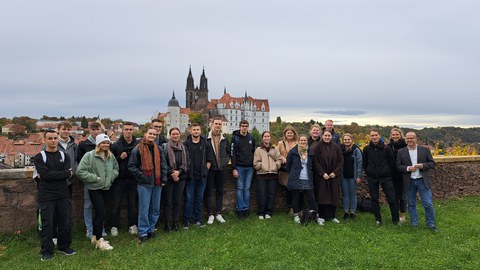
<point>267,162</point>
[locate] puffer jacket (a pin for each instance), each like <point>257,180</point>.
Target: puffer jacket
<point>96,172</point>
<point>378,160</point>
<point>267,162</point>
<point>294,168</point>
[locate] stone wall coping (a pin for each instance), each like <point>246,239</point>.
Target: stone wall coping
<point>450,159</point>
<point>27,173</point>
<point>21,173</point>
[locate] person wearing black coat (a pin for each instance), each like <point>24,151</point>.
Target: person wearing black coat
<point>201,158</point>
<point>300,177</point>
<point>217,173</point>
<point>379,164</point>
<point>177,163</point>
<point>125,182</point>
<point>397,142</point>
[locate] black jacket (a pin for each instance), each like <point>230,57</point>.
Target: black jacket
<point>135,167</point>
<point>117,149</point>
<point>84,147</point>
<point>206,154</point>
<point>224,154</point>
<point>378,161</point>
<point>243,148</point>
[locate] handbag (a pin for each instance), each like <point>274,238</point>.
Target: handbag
<point>364,204</point>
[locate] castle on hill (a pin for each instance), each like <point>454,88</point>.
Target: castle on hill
<point>231,109</point>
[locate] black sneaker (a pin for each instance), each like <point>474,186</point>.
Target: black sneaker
<point>186,226</point>
<point>143,239</point>
<point>353,215</point>
<point>434,229</point>
<point>346,216</point>
<point>46,257</point>
<point>67,251</point>
<point>151,235</point>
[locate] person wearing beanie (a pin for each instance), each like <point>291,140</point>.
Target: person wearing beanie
<point>148,165</point>
<point>83,147</point>
<point>98,169</point>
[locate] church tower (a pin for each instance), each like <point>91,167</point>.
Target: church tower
<point>196,98</point>
<point>203,91</point>
<point>190,91</point>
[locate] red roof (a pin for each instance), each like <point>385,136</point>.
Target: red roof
<point>227,99</point>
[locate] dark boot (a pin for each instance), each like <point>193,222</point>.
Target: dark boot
<point>168,227</point>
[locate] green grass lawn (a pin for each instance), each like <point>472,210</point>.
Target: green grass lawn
<point>277,244</point>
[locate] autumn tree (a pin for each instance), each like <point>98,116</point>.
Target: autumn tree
<point>27,122</point>
<point>196,117</point>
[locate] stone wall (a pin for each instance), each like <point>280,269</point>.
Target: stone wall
<point>453,177</point>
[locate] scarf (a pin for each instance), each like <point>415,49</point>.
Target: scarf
<point>303,152</point>
<point>146,159</point>
<point>171,147</point>
<point>216,143</point>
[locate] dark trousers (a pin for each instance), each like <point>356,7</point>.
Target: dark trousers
<point>297,200</point>
<point>62,209</point>
<point>327,211</point>
<point>389,191</point>
<point>99,200</point>
<point>120,188</point>
<point>55,222</point>
<point>215,179</point>
<point>172,194</point>
<point>400,194</point>
<point>266,196</point>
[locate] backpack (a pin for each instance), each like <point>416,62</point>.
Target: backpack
<point>44,157</point>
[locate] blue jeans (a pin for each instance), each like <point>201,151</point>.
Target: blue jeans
<point>426,198</point>
<point>349,195</point>
<point>148,208</point>
<point>194,190</point>
<point>244,181</point>
<point>87,211</point>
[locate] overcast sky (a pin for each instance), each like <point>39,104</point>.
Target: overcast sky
<point>411,63</point>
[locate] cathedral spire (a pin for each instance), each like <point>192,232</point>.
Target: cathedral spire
<point>190,79</point>
<point>203,81</point>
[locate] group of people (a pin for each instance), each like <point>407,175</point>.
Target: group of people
<point>154,170</point>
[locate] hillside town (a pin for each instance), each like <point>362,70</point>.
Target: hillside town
<point>18,153</point>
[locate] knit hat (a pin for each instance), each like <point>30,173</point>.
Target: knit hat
<point>101,138</point>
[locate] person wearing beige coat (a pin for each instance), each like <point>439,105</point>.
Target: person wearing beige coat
<point>266,161</point>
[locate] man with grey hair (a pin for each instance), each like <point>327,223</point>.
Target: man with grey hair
<point>415,162</point>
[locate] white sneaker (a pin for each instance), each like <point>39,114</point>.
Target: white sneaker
<point>104,233</point>
<point>335,220</point>
<point>210,220</point>
<point>103,245</point>
<point>267,216</point>
<point>296,219</point>
<point>219,218</point>
<point>402,220</point>
<point>114,231</point>
<point>261,217</point>
<point>133,230</point>
<point>54,240</point>
<point>321,221</point>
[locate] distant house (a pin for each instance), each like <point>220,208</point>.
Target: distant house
<point>20,153</point>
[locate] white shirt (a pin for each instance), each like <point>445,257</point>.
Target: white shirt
<point>413,157</point>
